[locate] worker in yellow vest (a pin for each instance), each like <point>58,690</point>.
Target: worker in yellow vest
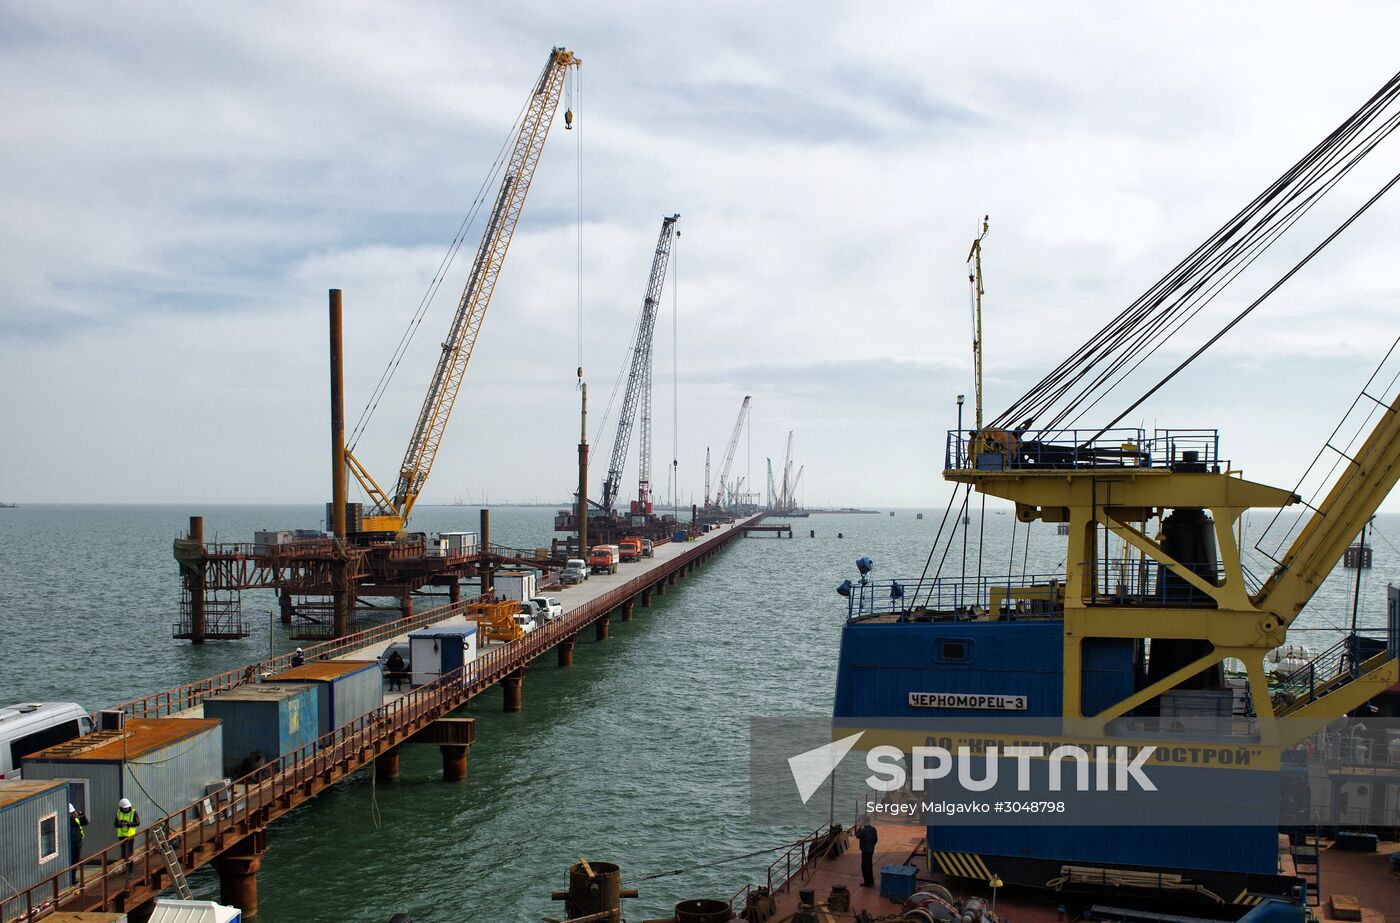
<point>127,823</point>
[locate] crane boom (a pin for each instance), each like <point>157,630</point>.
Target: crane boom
<point>1353,499</point>
<point>733,445</point>
<point>390,512</point>
<point>639,380</point>
<point>707,476</point>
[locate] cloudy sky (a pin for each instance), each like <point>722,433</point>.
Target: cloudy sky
<point>183,183</point>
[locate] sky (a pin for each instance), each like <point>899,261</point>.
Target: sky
<point>184,183</point>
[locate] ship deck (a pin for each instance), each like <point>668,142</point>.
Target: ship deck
<point>1365,877</point>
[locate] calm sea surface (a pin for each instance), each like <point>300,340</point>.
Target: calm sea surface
<point>636,755</point>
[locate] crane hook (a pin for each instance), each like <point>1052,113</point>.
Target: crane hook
<point>568,119</point>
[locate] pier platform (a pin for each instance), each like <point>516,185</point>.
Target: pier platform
<point>228,827</point>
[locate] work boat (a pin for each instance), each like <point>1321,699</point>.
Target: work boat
<point>1125,650</point>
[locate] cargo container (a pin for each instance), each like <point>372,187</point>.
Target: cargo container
<point>441,649</point>
<point>436,548</point>
<point>347,689</point>
<point>265,539</point>
<point>264,720</point>
<point>161,764</point>
<point>33,835</point>
<point>515,585</point>
<point>460,542</point>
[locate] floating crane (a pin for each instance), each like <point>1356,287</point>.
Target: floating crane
<point>638,392</point>
<point>389,511</point>
<point>726,494</point>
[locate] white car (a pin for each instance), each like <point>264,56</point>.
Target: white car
<point>549,606</point>
<point>525,622</point>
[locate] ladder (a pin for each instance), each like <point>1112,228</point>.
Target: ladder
<point>1305,846</point>
<point>172,863</point>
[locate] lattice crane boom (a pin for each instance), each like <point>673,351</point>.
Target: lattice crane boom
<point>390,511</point>
<point>733,445</point>
<point>639,381</point>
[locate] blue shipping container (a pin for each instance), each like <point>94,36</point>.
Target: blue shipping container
<point>265,719</point>
<point>346,689</point>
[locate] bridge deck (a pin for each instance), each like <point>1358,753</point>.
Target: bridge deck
<point>229,825</point>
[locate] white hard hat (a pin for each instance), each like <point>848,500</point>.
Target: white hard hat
<point>298,650</point>
<point>124,804</point>
<point>71,809</point>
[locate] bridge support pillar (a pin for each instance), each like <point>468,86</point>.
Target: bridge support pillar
<point>454,591</point>
<point>600,627</point>
<point>627,609</point>
<point>454,762</point>
<point>284,604</point>
<point>406,605</point>
<point>386,765</point>
<point>238,873</point>
<point>566,651</point>
<point>512,686</point>
<point>660,587</point>
<point>646,598</point>
<point>671,579</point>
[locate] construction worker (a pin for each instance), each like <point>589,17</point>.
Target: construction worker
<point>77,832</point>
<point>127,822</point>
<point>867,836</point>
<point>298,658</point>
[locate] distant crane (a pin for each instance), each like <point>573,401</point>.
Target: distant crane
<point>727,491</point>
<point>974,281</point>
<point>389,511</point>
<point>639,384</point>
<point>707,476</point>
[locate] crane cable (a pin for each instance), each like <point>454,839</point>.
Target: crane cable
<point>1159,313</point>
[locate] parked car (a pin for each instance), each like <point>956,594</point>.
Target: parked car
<point>31,727</point>
<point>551,607</point>
<point>647,550</point>
<point>575,571</point>
<point>531,615</point>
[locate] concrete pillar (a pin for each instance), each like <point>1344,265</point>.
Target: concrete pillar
<point>566,651</point>
<point>627,608</point>
<point>454,762</point>
<point>386,765</point>
<point>238,873</point>
<point>600,627</point>
<point>671,580</point>
<point>512,686</point>
<point>646,598</point>
<point>660,587</point>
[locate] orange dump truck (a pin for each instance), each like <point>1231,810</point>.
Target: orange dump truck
<point>631,549</point>
<point>603,559</point>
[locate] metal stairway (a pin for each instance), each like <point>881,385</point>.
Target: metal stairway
<point>1353,658</point>
<point>172,863</point>
<point>1305,846</point>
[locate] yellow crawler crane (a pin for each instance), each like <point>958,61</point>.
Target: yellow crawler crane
<point>389,511</point>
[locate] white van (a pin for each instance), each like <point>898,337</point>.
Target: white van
<point>29,728</point>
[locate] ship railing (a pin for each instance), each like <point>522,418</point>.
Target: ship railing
<point>1141,581</point>
<point>1006,596</point>
<point>1335,666</point>
<point>995,449</point>
<point>786,868</point>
